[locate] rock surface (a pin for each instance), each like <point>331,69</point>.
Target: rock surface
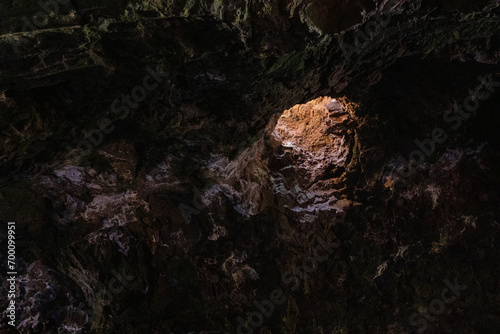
<point>163,178</point>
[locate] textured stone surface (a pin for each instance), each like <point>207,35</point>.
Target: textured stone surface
<point>207,194</point>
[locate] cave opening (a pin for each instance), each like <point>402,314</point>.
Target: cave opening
<point>299,165</point>
<point>310,150</point>
<point>315,137</point>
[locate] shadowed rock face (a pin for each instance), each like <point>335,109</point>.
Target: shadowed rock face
<point>167,173</point>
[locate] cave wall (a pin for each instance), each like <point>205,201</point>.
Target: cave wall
<point>172,209</point>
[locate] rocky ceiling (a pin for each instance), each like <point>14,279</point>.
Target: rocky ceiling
<point>249,166</point>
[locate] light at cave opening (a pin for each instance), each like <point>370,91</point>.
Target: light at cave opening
<point>309,127</point>
<point>312,142</point>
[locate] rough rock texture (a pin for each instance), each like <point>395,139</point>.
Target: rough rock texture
<point>182,208</point>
